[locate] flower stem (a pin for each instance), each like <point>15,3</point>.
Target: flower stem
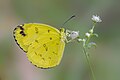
<point>89,63</point>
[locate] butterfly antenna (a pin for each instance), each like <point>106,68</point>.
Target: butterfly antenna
<point>68,20</point>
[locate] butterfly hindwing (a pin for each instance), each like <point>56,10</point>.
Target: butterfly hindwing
<point>46,55</point>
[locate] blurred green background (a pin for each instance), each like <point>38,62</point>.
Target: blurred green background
<point>106,57</point>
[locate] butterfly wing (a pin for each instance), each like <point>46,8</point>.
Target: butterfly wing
<point>43,44</point>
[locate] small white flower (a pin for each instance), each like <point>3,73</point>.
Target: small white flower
<point>96,18</point>
<point>87,34</point>
<point>74,34</point>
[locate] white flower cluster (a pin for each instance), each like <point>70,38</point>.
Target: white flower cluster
<point>96,18</point>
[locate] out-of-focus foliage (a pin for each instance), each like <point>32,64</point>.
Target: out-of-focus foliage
<point>13,61</point>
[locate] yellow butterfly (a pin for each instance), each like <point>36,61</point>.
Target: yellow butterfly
<point>43,44</point>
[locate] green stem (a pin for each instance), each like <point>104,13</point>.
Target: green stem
<point>89,63</point>
<point>85,48</point>
<point>94,25</point>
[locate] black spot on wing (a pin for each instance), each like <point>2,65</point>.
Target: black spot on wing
<point>48,31</point>
<point>57,43</point>
<point>36,30</point>
<point>44,45</point>
<point>50,38</point>
<point>21,27</point>
<point>55,53</point>
<point>46,48</point>
<point>22,33</point>
<point>43,59</point>
<point>49,57</point>
<point>36,41</point>
<point>35,53</point>
<point>40,55</point>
